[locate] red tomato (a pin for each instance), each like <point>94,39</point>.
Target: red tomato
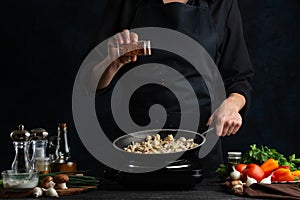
<point>254,171</point>
<point>241,167</point>
<point>284,167</point>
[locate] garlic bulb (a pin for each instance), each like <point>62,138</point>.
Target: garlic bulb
<point>235,175</point>
<point>250,181</point>
<point>37,192</point>
<point>267,180</point>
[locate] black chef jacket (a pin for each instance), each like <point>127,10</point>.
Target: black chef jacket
<point>232,56</point>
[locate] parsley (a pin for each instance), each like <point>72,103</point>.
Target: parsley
<point>258,155</point>
<point>223,172</point>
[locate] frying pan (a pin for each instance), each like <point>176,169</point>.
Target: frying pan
<point>148,162</point>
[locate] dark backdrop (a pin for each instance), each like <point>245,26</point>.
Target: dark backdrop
<point>44,42</point>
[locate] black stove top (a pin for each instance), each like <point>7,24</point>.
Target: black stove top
<point>180,174</point>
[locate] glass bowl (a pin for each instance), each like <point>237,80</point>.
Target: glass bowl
<point>13,180</point>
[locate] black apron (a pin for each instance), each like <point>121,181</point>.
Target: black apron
<point>195,21</point>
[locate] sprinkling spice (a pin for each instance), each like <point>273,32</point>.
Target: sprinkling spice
<point>141,48</point>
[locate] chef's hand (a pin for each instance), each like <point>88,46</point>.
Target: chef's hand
<point>226,117</point>
<point>124,37</point>
<point>112,60</point>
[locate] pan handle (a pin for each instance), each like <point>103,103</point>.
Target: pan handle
<point>207,131</point>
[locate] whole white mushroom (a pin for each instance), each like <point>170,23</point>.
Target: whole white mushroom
<point>37,192</point>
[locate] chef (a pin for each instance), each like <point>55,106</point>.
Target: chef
<point>216,25</point>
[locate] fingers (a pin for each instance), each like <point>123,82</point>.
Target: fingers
<point>125,59</point>
<point>220,126</point>
<point>134,38</point>
<point>226,126</point>
<point>125,37</point>
<point>232,129</point>
<point>210,120</point>
<point>226,118</point>
<point>119,38</point>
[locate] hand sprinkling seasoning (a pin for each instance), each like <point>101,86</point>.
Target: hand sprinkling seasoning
<point>140,48</point>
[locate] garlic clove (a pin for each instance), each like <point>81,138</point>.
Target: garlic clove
<point>267,180</point>
<point>250,181</point>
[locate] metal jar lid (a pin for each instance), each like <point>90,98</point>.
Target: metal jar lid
<point>20,134</point>
<point>234,154</point>
<point>39,134</point>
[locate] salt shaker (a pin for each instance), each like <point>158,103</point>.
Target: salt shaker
<point>39,142</point>
<point>39,146</point>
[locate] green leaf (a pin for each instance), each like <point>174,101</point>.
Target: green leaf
<point>297,160</point>
<point>292,157</point>
<point>222,172</point>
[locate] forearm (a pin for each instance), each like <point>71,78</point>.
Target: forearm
<point>237,100</point>
<point>108,69</point>
<point>226,117</point>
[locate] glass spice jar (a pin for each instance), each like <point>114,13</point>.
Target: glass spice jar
<point>234,158</point>
<point>42,165</point>
<point>140,48</point>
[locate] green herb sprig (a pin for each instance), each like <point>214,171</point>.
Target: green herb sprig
<point>75,180</point>
<point>258,155</point>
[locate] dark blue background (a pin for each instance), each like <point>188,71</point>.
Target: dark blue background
<point>44,42</point>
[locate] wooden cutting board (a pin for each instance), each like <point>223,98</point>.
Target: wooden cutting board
<point>74,190</point>
<point>70,191</point>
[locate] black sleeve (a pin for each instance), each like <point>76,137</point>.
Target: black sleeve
<point>117,16</point>
<point>234,63</point>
